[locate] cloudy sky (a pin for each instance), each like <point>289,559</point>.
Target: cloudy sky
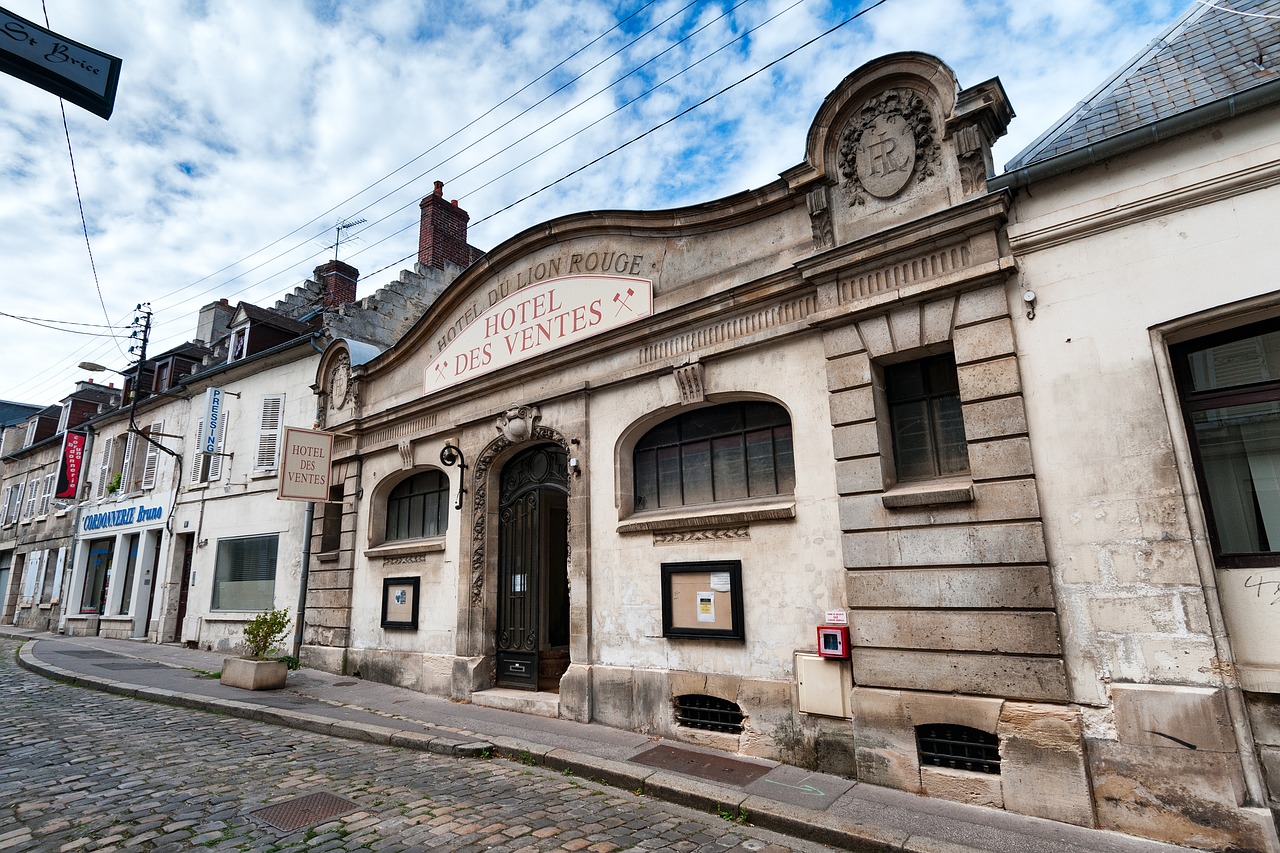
<point>244,132</point>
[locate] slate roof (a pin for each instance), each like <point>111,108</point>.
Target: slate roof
<point>1213,51</point>
<point>12,413</point>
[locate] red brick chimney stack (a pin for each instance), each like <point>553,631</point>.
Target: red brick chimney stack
<point>339,280</point>
<point>442,235</point>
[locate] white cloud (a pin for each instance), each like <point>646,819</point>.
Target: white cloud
<point>237,123</point>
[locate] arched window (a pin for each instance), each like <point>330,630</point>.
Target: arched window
<point>720,453</point>
<point>418,507</point>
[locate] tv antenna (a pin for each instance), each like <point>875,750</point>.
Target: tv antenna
<point>344,225</point>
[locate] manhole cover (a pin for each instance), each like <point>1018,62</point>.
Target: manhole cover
<point>130,664</point>
<point>304,811</point>
<point>715,768</point>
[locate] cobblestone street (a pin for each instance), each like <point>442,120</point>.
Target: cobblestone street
<point>88,771</point>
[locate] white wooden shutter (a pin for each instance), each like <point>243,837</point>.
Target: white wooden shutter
<point>269,432</point>
<point>126,467</point>
<point>47,494</point>
<point>56,594</point>
<point>33,493</point>
<point>152,462</point>
<point>4,505</point>
<point>197,456</point>
<point>215,461</point>
<point>29,575</point>
<point>103,478</point>
<point>15,501</point>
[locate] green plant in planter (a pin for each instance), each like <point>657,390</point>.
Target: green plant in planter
<point>264,631</point>
<point>114,485</point>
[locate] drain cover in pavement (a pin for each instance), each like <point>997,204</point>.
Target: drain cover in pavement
<point>304,811</point>
<point>130,664</point>
<point>716,768</point>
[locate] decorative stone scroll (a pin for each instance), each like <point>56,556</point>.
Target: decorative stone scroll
<point>888,142</point>
<point>820,217</point>
<point>717,534</point>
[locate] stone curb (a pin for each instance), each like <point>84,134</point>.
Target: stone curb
<point>706,797</point>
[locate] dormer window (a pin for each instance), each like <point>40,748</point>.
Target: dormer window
<point>239,344</point>
<point>162,376</point>
<point>32,426</point>
<point>65,417</point>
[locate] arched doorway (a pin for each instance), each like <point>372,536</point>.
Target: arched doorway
<point>533,581</point>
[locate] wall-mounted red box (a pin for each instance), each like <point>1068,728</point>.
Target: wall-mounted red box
<point>833,641</point>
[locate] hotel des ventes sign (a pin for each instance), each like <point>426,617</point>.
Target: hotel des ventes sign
<point>538,319</point>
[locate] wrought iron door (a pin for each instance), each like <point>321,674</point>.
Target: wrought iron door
<point>531,555</point>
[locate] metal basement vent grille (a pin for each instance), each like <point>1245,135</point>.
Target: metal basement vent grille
<point>958,747</point>
<point>696,711</point>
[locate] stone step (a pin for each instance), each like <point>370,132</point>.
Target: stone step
<point>524,701</point>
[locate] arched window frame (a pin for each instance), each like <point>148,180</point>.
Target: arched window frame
<point>633,443</point>
<point>442,507</point>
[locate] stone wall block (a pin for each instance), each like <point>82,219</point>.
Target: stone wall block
<point>977,712</point>
<point>1042,762</point>
<point>1158,716</point>
<point>973,587</point>
<point>884,740</point>
<point>612,695</point>
<point>962,786</point>
<point>1188,797</point>
<point>905,326</point>
<point>1177,659</point>
<point>1005,457</point>
<point>857,440</point>
<point>852,406</point>
<point>994,419</point>
<point>987,379</point>
<point>1133,614</point>
<point>1264,719</point>
<point>936,321</point>
<point>984,675</point>
<point>876,336</point>
<point>329,579</point>
<point>327,599</point>
<point>984,341</point>
<point>848,371</point>
<point>1013,542</point>
<point>859,475</point>
<point>1034,633</point>
<point>978,305</point>
<point>843,340</point>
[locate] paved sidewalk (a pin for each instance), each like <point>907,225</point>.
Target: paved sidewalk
<point>814,806</point>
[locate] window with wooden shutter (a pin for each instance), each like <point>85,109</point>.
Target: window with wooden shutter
<point>46,494</point>
<point>15,502</point>
<point>103,477</point>
<point>269,432</point>
<point>33,494</point>
<point>29,576</point>
<point>152,463</point>
<point>4,505</point>
<point>126,466</point>
<point>197,455</point>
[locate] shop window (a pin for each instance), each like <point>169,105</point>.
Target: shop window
<point>245,573</point>
<point>1229,386</point>
<point>97,573</point>
<point>710,713</point>
<point>418,507</point>
<point>719,453</point>
<point>958,748</point>
<point>925,419</point>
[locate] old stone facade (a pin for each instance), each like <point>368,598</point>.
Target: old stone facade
<point>627,464</point>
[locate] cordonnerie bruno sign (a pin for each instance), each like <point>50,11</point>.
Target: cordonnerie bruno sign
<point>537,319</point>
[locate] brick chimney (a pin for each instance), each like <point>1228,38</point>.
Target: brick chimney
<point>442,235</point>
<point>339,280</point>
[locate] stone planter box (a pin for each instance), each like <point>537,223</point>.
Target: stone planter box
<point>252,674</point>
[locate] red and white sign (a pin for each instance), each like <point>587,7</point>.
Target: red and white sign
<point>305,465</point>
<point>70,464</point>
<point>538,319</point>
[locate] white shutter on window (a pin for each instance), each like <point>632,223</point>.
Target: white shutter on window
<point>33,493</point>
<point>15,501</point>
<point>269,432</point>
<point>126,467</point>
<point>29,576</point>
<point>56,594</point>
<point>197,457</point>
<point>4,505</point>
<point>215,461</point>
<point>103,478</point>
<point>47,495</point>
<point>153,458</point>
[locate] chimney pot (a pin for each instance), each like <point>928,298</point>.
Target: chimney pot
<point>339,280</point>
<point>442,231</point>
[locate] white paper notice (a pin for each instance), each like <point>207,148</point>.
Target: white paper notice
<point>720,581</point>
<point>706,607</point>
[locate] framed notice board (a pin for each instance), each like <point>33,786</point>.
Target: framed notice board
<point>702,600</point>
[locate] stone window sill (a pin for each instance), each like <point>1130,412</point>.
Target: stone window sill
<point>953,490</point>
<point>407,549</point>
<point>326,556</point>
<point>703,516</point>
